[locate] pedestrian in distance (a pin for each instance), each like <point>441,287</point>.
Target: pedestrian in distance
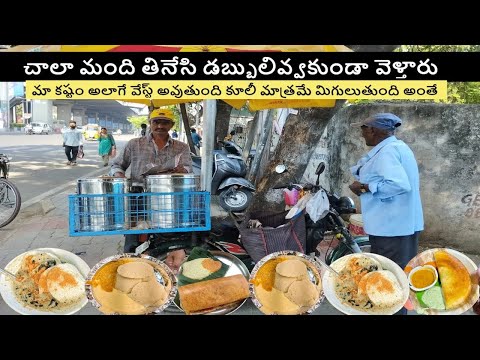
<point>196,138</point>
<point>144,130</point>
<point>387,182</point>
<point>106,146</point>
<point>72,139</point>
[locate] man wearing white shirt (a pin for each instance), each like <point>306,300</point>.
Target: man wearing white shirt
<point>72,139</point>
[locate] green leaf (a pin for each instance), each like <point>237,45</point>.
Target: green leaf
<point>198,252</point>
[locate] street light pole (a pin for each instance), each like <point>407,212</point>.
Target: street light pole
<point>8,103</point>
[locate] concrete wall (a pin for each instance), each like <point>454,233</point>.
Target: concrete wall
<point>446,142</point>
<point>64,113</point>
<point>42,111</point>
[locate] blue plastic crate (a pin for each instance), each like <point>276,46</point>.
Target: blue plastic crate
<point>139,213</point>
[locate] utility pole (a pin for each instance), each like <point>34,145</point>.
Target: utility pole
<point>7,96</point>
<point>209,114</point>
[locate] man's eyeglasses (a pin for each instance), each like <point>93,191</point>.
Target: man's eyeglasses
<point>161,122</point>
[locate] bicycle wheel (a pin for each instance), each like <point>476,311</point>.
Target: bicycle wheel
<point>10,202</point>
<point>342,250</point>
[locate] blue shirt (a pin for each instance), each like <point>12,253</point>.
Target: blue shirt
<point>196,138</point>
<point>393,206</point>
<point>72,137</point>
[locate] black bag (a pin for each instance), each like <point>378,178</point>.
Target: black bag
<point>259,242</point>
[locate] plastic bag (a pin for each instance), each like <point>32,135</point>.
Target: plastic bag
<point>301,204</point>
<point>291,196</point>
<point>80,153</point>
<point>318,206</point>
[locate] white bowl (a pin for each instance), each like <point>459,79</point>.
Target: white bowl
<point>414,270</point>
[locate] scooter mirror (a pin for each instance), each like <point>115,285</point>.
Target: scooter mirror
<point>280,169</point>
<point>320,168</point>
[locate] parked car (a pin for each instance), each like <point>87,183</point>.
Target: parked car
<point>117,132</point>
<point>41,128</point>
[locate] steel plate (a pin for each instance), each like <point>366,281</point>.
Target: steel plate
<point>314,273</point>
<point>236,267</point>
<point>162,272</point>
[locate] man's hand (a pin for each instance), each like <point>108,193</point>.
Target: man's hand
<point>119,175</point>
<point>180,170</point>
<point>356,188</point>
<point>174,259</point>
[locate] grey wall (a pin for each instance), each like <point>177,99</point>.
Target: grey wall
<point>42,111</point>
<point>446,142</point>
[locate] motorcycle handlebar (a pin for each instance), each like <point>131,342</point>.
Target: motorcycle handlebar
<point>347,211</point>
<point>291,186</point>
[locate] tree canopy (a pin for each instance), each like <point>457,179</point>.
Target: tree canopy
<point>458,92</point>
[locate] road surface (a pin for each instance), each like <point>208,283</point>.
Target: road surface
<point>39,161</point>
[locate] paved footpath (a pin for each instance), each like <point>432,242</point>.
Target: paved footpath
<point>51,230</point>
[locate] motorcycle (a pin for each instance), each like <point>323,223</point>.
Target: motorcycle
<point>332,222</point>
<point>228,180</point>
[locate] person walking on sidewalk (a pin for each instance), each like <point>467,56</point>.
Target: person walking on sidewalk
<point>388,184</point>
<point>106,146</point>
<point>72,139</point>
<point>155,149</point>
<point>144,129</point>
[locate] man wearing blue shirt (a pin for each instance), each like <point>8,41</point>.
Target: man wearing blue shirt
<point>387,182</point>
<point>196,138</point>
<point>72,139</point>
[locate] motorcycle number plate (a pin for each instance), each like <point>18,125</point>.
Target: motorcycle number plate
<point>141,248</point>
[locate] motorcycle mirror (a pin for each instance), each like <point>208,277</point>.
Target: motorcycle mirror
<point>320,168</point>
<point>280,169</point>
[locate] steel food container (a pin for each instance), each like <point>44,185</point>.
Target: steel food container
<point>103,213</point>
<point>171,211</point>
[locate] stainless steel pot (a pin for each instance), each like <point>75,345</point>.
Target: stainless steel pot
<point>103,213</point>
<point>171,211</point>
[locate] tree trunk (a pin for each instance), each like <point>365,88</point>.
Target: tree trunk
<point>297,143</point>
<point>222,121</point>
<point>183,113</point>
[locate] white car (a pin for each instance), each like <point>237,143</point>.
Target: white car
<point>41,128</point>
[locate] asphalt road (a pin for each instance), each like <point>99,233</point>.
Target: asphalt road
<point>39,161</point>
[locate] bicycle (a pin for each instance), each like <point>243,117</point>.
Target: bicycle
<point>10,199</point>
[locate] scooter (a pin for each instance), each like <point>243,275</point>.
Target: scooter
<point>331,223</point>
<point>228,181</point>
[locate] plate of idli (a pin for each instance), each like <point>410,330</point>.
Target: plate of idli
<point>286,283</point>
<point>48,281</point>
<point>130,284</point>
<point>367,284</point>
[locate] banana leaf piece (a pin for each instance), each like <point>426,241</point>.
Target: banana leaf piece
<point>198,252</point>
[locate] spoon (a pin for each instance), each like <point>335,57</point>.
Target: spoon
<point>8,273</point>
<point>328,267</point>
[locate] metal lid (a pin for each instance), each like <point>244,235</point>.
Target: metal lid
<point>102,179</point>
<point>168,176</point>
